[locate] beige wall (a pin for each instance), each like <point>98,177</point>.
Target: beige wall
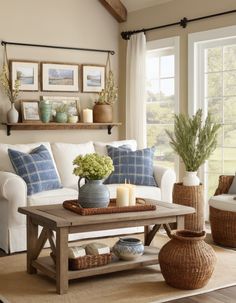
<point>169,13</point>
<point>77,23</point>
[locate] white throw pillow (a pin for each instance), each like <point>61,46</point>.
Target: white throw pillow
<point>5,163</point>
<point>100,147</point>
<point>64,154</point>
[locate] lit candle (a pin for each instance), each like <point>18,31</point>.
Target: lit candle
<point>122,196</point>
<point>88,115</point>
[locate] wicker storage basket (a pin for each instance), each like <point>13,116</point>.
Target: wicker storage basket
<point>87,261</point>
<point>223,226</point>
<point>191,196</point>
<point>186,261</point>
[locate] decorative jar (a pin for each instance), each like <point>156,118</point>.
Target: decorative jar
<point>187,261</point>
<point>61,117</point>
<point>93,194</point>
<point>12,114</point>
<point>45,111</point>
<point>191,179</point>
<point>128,248</point>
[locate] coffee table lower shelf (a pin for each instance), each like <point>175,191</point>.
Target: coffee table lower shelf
<point>150,257</point>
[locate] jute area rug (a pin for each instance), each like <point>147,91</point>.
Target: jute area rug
<point>140,286</point>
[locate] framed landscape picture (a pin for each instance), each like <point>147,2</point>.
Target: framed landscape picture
<point>60,77</point>
<point>93,78</point>
<point>27,72</point>
<point>30,111</point>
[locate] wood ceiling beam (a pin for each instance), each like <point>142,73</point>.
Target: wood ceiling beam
<point>116,8</point>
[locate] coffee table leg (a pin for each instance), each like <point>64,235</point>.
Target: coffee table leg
<point>32,237</point>
<point>62,260</point>
<point>180,222</point>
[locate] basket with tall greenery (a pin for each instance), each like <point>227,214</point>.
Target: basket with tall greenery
<point>193,139</point>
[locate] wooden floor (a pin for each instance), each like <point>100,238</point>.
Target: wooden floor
<point>224,295</point>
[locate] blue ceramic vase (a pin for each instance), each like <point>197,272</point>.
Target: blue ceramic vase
<point>128,248</point>
<point>93,194</point>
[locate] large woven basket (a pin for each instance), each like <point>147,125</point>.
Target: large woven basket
<point>186,261</point>
<point>191,196</point>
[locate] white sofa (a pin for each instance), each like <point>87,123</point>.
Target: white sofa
<point>13,191</point>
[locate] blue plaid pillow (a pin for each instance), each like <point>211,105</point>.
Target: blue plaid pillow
<point>36,168</point>
<point>135,167</point>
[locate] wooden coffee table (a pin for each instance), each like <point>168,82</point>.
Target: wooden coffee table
<point>64,222</point>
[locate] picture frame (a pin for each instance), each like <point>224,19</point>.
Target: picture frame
<point>59,77</point>
<point>93,78</point>
<point>27,72</point>
<point>30,110</point>
<point>73,104</point>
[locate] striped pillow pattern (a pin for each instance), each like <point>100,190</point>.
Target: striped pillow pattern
<point>36,168</point>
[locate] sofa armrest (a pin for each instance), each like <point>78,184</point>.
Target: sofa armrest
<point>13,189</point>
<point>165,178</point>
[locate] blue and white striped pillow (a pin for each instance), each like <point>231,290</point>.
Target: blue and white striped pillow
<point>36,168</point>
<point>135,167</point>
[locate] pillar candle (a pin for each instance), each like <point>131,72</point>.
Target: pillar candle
<point>132,194</point>
<point>88,115</point>
<point>122,196</point>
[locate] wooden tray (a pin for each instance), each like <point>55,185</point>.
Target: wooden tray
<point>141,205</point>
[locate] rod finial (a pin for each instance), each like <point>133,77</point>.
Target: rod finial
<point>3,43</point>
<point>126,35</point>
<point>184,22</point>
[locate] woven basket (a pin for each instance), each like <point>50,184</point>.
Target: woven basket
<point>87,261</point>
<point>186,261</point>
<point>223,223</point>
<point>191,196</point>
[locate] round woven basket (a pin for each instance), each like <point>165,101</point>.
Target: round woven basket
<point>187,261</point>
<point>191,196</point>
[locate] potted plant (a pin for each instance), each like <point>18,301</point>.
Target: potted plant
<point>61,113</point>
<point>102,110</point>
<point>11,92</point>
<point>94,168</point>
<point>193,140</point>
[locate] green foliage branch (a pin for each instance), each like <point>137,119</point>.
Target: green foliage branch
<point>11,93</point>
<point>193,140</point>
<point>93,166</point>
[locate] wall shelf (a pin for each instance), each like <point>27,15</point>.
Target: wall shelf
<point>58,126</point>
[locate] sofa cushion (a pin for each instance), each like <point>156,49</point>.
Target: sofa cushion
<point>55,196</point>
<point>232,189</point>
<point>36,168</point>
<point>101,147</point>
<point>64,154</point>
<point>223,202</point>
<point>5,163</point>
<point>136,167</point>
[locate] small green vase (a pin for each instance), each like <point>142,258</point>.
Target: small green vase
<point>45,111</point>
<point>61,117</point>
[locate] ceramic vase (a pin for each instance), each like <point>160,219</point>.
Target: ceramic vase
<point>12,114</point>
<point>191,179</point>
<point>45,111</point>
<point>61,117</point>
<point>128,248</point>
<point>93,194</point>
<point>187,261</point>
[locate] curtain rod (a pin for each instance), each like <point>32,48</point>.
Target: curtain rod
<point>59,47</point>
<point>183,22</point>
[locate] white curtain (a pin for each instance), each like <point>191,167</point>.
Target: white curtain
<point>135,89</point>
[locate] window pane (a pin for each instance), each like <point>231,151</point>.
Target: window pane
<point>167,87</point>
<point>230,136</point>
<point>214,59</point>
<point>230,57</point>
<point>153,86</point>
<point>229,161</point>
<point>230,110</point>
<point>156,136</point>
<point>230,83</point>
<point>213,180</point>
<point>167,66</point>
<point>215,109</point>
<point>160,112</point>
<point>215,161</point>
<point>213,85</point>
<point>152,67</point>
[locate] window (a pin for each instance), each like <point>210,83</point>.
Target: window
<point>214,90</point>
<point>161,96</point>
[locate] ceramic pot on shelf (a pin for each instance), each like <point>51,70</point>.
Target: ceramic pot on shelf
<point>12,114</point>
<point>61,117</point>
<point>93,194</point>
<point>191,179</point>
<point>128,248</point>
<point>102,113</point>
<point>45,111</point>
